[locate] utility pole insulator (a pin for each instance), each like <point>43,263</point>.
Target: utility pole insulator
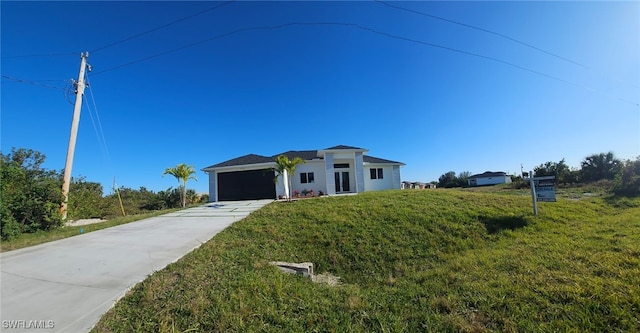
<point>79,89</point>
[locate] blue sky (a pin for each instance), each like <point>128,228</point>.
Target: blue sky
<point>409,87</point>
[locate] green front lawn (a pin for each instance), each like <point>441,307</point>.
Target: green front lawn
<point>408,261</point>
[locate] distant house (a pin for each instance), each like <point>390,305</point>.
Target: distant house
<point>335,170</point>
<point>489,178</point>
<point>417,185</point>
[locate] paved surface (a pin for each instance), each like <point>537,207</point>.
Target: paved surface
<point>66,285</point>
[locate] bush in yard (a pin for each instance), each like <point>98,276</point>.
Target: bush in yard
<point>137,201</point>
<point>627,181</point>
<point>171,197</point>
<point>448,180</point>
<point>560,170</point>
<point>85,200</point>
<point>10,227</point>
<point>30,195</point>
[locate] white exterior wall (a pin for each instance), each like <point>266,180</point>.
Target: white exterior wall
<point>320,181</point>
<point>280,186</point>
<point>213,186</point>
<point>386,183</point>
<point>493,180</point>
<point>397,184</point>
<point>328,170</point>
<point>342,156</point>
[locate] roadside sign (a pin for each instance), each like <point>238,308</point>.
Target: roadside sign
<point>542,189</point>
<point>545,189</point>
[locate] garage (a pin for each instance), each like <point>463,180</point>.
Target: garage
<point>246,185</point>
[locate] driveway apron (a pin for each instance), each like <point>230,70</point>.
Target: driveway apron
<point>66,285</point>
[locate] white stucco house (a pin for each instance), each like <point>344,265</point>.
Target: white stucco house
<point>489,178</point>
<point>335,170</point>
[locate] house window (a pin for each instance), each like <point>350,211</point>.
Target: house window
<point>306,177</point>
<point>376,173</point>
<point>341,166</point>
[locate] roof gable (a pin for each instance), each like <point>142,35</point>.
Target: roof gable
<point>488,174</point>
<point>343,147</point>
<point>372,159</point>
<point>306,155</point>
<point>242,160</point>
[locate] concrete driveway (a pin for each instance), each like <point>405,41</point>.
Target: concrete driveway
<point>66,285</point>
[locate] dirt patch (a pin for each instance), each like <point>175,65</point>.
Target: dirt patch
<point>326,278</point>
<point>83,222</point>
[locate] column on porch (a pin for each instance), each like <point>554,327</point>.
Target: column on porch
<point>213,186</point>
<point>328,169</point>
<point>358,166</point>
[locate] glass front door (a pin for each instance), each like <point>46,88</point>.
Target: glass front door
<point>342,181</point>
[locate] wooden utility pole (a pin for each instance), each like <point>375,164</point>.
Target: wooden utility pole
<point>80,85</point>
<point>115,187</point>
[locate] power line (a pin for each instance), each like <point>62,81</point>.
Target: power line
<point>95,107</point>
<point>38,81</point>
<point>608,76</point>
<point>273,27</point>
<point>162,26</point>
<point>39,55</point>
<point>97,129</point>
<point>34,83</point>
<point>353,25</point>
<point>483,30</point>
<point>358,26</point>
<point>67,91</point>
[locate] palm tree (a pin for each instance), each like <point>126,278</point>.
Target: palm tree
<point>600,166</point>
<point>183,173</point>
<point>285,167</point>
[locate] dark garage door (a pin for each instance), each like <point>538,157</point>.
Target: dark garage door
<point>246,185</point>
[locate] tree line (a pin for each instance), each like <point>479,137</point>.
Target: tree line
<point>30,195</point>
<point>623,174</point>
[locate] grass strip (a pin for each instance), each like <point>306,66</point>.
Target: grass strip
<point>40,237</point>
